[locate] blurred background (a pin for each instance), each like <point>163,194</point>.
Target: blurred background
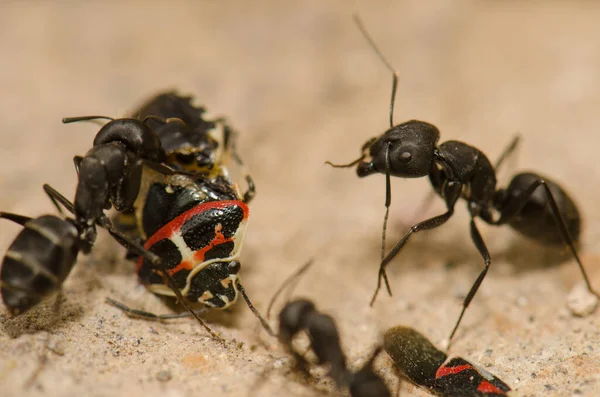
<point>301,86</point>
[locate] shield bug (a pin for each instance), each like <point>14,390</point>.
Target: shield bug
<point>168,172</point>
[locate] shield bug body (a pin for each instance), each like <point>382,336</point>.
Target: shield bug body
<point>190,210</point>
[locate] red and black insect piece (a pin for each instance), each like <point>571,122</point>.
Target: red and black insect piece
<point>533,205</point>
<point>423,364</point>
<point>191,211</point>
<point>169,175</point>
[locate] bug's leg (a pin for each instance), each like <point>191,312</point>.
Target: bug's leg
<point>255,311</point>
<point>158,264</point>
<point>151,316</point>
<point>508,151</point>
<point>481,247</point>
<point>514,206</point>
<point>251,191</point>
<point>57,198</point>
<point>451,193</point>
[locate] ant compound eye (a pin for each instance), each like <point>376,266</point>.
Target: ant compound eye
<point>405,157</point>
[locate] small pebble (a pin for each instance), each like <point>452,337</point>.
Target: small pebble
<point>581,302</point>
<point>163,376</point>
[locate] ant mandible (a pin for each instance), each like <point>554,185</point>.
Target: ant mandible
<point>531,204</point>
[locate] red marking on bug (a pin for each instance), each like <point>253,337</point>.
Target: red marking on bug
<point>219,239</point>
<point>444,371</point>
<point>487,387</point>
<point>172,227</point>
<point>182,265</point>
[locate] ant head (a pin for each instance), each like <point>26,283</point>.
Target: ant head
<point>407,150</point>
<point>135,135</point>
<point>292,318</point>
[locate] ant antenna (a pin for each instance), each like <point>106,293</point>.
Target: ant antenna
<point>294,278</point>
<point>387,64</point>
<point>68,120</point>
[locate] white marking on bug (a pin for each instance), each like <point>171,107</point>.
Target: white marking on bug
<point>207,295</point>
<point>226,282</point>
<point>483,372</point>
<point>225,300</point>
<point>185,251</point>
<point>238,240</point>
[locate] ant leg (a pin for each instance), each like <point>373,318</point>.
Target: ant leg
<point>151,316</point>
<point>158,264</point>
<point>255,311</point>
<point>508,151</point>
<point>58,198</point>
<point>388,202</point>
<point>481,247</point>
<point>430,223</point>
<point>19,219</point>
<point>514,207</point>
<point>451,193</point>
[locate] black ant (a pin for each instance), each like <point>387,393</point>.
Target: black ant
<point>531,204</point>
<point>418,360</point>
<point>301,315</point>
<point>129,169</point>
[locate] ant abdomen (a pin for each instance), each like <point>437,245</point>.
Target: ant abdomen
<point>37,262</point>
<point>535,219</point>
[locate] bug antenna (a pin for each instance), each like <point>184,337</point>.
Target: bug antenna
<point>255,311</point>
<point>68,120</point>
<point>293,278</point>
<point>387,64</point>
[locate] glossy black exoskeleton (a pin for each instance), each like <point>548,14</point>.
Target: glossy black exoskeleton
<point>154,169</point>
<point>301,315</point>
<point>38,260</point>
<point>43,254</point>
<point>531,204</point>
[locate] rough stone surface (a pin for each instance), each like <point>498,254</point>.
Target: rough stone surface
<point>300,84</point>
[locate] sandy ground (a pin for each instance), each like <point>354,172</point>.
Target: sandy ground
<point>301,86</point>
